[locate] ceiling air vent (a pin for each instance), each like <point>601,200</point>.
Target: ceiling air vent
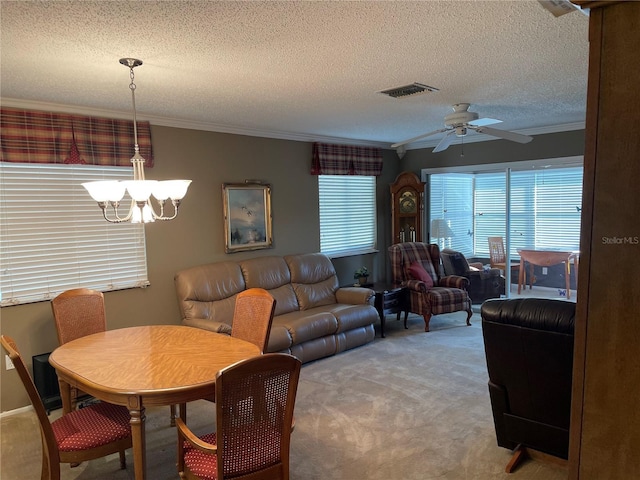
<point>406,90</point>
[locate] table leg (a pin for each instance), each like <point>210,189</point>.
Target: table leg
<point>65,395</point>
<point>521,275</point>
<point>137,412</point>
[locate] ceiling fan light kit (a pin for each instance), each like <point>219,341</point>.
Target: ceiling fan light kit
<point>459,122</point>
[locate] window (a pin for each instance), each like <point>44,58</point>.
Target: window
<point>545,205</point>
<point>53,236</point>
<point>347,214</point>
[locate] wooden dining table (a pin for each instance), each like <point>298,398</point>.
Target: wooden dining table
<point>546,258</point>
<point>146,366</point>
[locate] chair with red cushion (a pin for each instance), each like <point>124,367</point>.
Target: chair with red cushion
<point>77,313</point>
<point>416,267</point>
<point>86,434</point>
<point>254,418</point>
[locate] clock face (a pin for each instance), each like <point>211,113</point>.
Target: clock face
<point>407,202</point>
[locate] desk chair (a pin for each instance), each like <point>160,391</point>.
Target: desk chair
<point>86,434</point>
<point>254,420</point>
<point>498,257</point>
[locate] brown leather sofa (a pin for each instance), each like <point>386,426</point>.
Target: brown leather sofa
<point>314,317</point>
<point>529,351</point>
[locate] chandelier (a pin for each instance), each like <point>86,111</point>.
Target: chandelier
<point>109,193</point>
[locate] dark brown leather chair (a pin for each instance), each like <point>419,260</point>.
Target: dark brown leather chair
<point>529,351</point>
<point>483,284</point>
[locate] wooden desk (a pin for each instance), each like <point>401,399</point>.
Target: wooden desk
<point>149,365</point>
<point>546,258</point>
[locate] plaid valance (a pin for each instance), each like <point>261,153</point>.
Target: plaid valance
<point>331,159</point>
<point>30,136</point>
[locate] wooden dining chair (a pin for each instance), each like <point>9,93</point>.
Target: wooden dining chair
<point>498,257</point>
<point>253,316</point>
<point>77,313</point>
<point>85,434</point>
<point>254,420</point>
<point>252,319</point>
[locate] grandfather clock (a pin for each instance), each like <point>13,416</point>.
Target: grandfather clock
<point>407,205</point>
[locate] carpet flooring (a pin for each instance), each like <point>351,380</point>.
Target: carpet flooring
<point>413,405</point>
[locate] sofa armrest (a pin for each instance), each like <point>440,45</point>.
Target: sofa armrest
<point>354,295</point>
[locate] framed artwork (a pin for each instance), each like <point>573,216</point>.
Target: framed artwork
<point>247,216</point>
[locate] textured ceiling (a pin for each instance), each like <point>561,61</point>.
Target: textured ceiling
<point>302,70</point>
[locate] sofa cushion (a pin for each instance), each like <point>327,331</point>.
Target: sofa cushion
<point>208,291</point>
<point>351,316</point>
<point>272,274</point>
<point>279,339</point>
<point>314,279</point>
<point>305,326</point>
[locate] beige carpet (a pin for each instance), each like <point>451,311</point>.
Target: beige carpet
<point>413,405</point>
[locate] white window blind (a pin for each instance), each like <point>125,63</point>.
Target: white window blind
<point>544,208</point>
<point>451,200</point>
<point>53,236</point>
<point>347,214</point>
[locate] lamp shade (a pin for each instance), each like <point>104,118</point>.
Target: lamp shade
<point>440,229</point>
<point>173,189</point>
<point>105,190</point>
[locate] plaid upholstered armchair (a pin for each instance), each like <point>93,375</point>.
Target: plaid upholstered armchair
<point>416,267</point>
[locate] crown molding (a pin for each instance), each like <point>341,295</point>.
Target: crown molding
<point>252,132</point>
<point>187,124</point>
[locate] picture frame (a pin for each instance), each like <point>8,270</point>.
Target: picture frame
<point>247,216</point>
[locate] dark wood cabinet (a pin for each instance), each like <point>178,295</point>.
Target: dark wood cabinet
<point>407,208</point>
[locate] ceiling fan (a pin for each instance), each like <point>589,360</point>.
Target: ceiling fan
<point>459,122</point>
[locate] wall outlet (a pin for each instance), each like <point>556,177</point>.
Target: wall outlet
<point>8,362</point>
<point>544,270</point>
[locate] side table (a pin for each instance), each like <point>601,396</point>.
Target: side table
<point>388,299</point>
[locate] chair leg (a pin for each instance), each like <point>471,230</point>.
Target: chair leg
<point>173,415</point>
<point>469,313</point>
<point>519,454</point>
<point>427,319</point>
<point>123,460</point>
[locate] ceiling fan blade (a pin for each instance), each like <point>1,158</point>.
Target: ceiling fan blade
<point>424,135</point>
<point>514,137</point>
<point>481,122</point>
<point>558,7</point>
<point>445,142</point>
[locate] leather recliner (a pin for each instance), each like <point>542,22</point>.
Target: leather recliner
<point>529,352</point>
<point>483,284</point>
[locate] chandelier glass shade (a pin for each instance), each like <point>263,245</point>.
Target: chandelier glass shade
<point>109,193</point>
